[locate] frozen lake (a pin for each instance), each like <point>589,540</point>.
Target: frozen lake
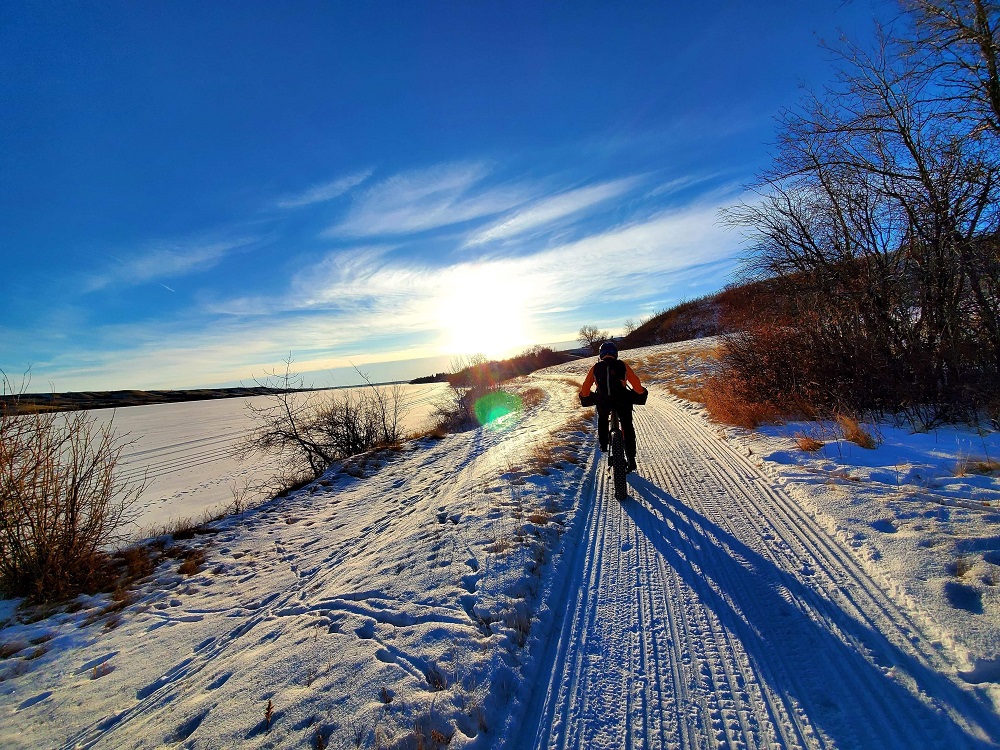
<point>187,451</point>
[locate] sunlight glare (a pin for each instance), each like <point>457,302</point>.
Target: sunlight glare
<point>483,312</point>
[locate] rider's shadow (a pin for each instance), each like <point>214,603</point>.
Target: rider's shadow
<point>803,661</point>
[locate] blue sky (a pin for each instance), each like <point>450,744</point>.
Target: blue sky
<point>191,191</point>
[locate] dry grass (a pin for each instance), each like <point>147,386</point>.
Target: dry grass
<point>841,474</point>
<point>808,444</point>
<point>120,599</point>
<point>436,678</point>
<point>518,619</point>
<point>727,405</point>
<point>539,517</point>
<point>179,528</point>
<point>193,560</point>
<point>532,397</point>
<point>139,561</point>
<point>981,466</point>
<point>500,546</point>
<point>960,566</point>
<point>691,364</point>
<point>689,389</point>
<point>855,433</point>
<point>543,456</point>
<point>571,382</point>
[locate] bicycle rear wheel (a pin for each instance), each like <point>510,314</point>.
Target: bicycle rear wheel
<point>619,465</point>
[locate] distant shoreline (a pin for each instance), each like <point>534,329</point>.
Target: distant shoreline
<point>26,403</point>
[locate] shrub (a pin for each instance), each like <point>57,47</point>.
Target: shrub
<point>308,431</point>
<point>63,503</point>
<point>729,402</point>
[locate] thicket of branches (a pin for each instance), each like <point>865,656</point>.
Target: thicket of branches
<point>63,502</point>
<point>306,431</point>
<point>878,222</point>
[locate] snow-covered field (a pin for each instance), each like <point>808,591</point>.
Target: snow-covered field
<point>186,451</point>
<point>484,591</point>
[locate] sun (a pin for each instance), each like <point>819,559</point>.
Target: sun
<point>484,312</point>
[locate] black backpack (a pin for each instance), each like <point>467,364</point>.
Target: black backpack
<point>608,377</point>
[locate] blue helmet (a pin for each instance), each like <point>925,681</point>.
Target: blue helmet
<point>608,348</point>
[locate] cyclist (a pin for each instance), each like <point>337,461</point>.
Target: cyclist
<point>612,378</point>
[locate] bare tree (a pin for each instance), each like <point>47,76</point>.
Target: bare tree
<point>880,212</point>
<point>63,500</point>
<point>957,44</point>
<point>592,337</point>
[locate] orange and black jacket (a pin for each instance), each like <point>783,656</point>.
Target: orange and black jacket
<point>610,376</point>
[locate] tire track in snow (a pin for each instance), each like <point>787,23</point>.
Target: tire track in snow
<point>710,611</point>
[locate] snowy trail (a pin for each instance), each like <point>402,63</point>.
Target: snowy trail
<point>710,611</point>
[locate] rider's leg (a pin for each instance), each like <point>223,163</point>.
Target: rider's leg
<point>602,425</point>
<point>628,432</point>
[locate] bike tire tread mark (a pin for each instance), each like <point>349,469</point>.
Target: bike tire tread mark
<point>712,612</point>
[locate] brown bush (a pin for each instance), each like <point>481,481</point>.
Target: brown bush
<point>729,401</point>
<point>63,503</point>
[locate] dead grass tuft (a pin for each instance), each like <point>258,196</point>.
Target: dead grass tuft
<point>193,560</point>
<point>540,517</point>
<point>500,546</point>
<point>532,397</point>
<point>808,443</point>
<point>139,561</point>
<point>571,382</point>
<point>436,678</point>
<point>855,433</point>
<point>981,466</point>
<point>689,389</point>
<point>960,566</point>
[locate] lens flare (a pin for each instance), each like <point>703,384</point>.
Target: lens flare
<point>492,409</point>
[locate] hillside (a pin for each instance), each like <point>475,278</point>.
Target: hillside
<point>713,315</point>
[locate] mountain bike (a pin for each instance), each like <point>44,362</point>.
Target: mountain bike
<point>617,463</point>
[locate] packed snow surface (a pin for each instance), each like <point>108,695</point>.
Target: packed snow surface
<point>486,590</point>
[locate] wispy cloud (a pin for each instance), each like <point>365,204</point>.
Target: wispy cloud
<point>326,191</point>
<point>428,199</point>
<point>380,300</point>
<point>370,292</point>
<point>166,261</point>
<point>545,212</point>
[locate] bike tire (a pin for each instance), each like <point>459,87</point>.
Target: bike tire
<point>619,466</point>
